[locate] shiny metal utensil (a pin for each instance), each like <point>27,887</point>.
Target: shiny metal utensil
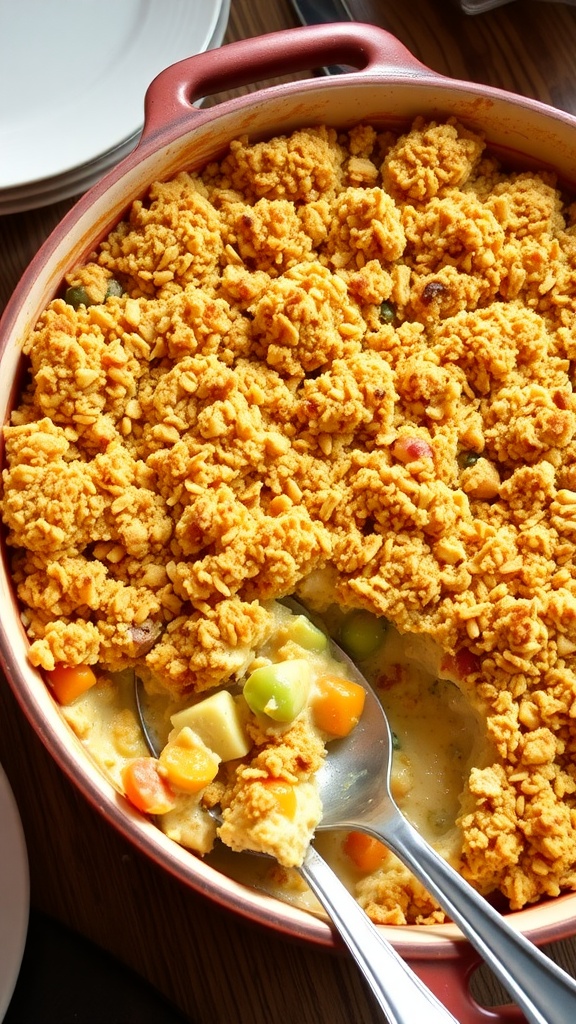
<point>323,12</point>
<point>355,790</point>
<point>395,986</point>
<point>354,786</point>
<point>399,992</point>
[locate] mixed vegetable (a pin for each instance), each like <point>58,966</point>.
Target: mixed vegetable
<point>212,745</point>
<point>295,675</point>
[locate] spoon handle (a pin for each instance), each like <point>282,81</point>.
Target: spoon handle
<point>400,993</point>
<point>545,993</point>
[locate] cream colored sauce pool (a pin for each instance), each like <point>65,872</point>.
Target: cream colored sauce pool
<point>438,737</point>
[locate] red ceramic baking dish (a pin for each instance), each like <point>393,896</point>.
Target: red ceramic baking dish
<point>385,86</point>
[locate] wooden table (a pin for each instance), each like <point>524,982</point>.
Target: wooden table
<point>216,968</point>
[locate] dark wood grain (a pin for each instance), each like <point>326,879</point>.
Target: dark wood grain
<point>526,46</point>
<point>216,967</point>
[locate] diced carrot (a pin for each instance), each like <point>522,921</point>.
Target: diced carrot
<point>284,795</point>
<point>337,704</point>
<point>187,764</point>
<point>70,681</point>
<point>145,788</point>
<point>364,851</point>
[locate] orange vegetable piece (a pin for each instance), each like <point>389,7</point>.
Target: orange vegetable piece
<point>337,705</point>
<point>285,796</point>
<point>70,681</point>
<point>145,788</point>
<point>186,764</point>
<point>364,851</point>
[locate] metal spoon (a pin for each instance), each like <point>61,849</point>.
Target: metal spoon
<point>397,989</point>
<point>400,993</point>
<point>355,791</point>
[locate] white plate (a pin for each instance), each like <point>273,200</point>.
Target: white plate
<point>14,893</point>
<point>45,194</point>
<point>105,160</point>
<point>73,74</point>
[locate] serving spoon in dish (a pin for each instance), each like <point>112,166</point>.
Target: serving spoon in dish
<point>354,784</point>
<point>399,992</point>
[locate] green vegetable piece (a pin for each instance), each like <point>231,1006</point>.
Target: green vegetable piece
<point>280,691</point>
<point>307,635</point>
<point>77,297</point>
<point>362,634</point>
<point>396,745</point>
<point>387,313</point>
<point>114,288</point>
<point>466,459</point>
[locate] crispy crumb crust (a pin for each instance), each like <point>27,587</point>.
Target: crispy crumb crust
<point>244,414</point>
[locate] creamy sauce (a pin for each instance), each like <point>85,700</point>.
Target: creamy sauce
<point>439,734</point>
<point>438,737</point>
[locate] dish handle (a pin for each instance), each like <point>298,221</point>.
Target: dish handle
<point>366,49</point>
<point>449,980</point>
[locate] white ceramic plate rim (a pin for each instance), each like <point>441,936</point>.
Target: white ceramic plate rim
<point>9,195</point>
<point>65,188</point>
<point>14,893</point>
<point>48,124</point>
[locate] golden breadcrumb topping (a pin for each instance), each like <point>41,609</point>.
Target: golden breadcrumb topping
<point>348,354</point>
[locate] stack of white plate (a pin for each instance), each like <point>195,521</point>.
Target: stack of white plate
<point>73,75</point>
<point>14,893</point>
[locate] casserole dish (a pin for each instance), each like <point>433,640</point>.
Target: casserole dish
<point>389,88</point>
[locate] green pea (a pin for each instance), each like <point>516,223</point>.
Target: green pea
<point>362,634</point>
<point>280,691</point>
<point>387,313</point>
<point>77,296</point>
<point>114,289</point>
<point>466,459</point>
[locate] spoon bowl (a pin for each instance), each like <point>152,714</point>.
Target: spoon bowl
<point>354,779</point>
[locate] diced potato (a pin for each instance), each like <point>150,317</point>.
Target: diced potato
<point>218,721</point>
